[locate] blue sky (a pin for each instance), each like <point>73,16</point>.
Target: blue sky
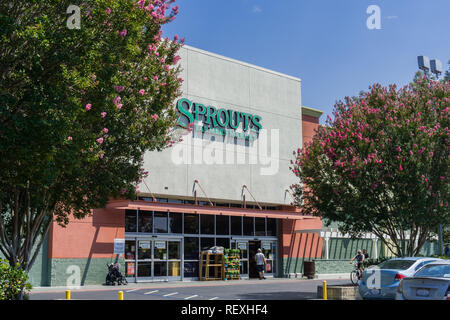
<point>326,43</point>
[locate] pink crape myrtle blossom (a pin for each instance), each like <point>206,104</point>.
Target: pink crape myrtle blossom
<point>119,88</point>
<point>377,164</point>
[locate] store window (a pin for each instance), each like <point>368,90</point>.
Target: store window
<point>248,226</point>
<point>130,221</point>
<point>175,222</point>
<point>206,243</point>
<point>260,226</point>
<point>191,269</point>
<point>146,221</point>
<point>207,224</point>
<point>223,242</point>
<point>190,223</point>
<point>236,226</point>
<point>160,220</point>
<point>191,248</point>
<point>223,225</point>
<point>175,201</point>
<point>271,227</point>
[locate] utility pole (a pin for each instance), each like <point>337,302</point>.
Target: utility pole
<point>435,66</point>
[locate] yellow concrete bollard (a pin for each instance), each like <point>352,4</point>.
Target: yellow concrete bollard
<point>324,287</point>
<point>67,294</point>
<point>120,295</point>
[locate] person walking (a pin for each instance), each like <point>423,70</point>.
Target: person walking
<point>260,263</point>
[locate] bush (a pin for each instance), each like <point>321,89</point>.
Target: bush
<point>14,283</point>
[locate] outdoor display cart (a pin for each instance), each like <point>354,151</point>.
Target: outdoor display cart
<point>212,261</point>
<point>232,264</point>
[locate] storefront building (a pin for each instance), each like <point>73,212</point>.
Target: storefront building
<point>225,184</point>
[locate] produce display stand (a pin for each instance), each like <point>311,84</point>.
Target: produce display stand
<point>214,260</point>
<point>232,264</point>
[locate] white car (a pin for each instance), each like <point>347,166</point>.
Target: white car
<point>431,282</point>
<point>381,281</point>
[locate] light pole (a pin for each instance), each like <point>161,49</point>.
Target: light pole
<point>435,66</point>
<point>427,65</point>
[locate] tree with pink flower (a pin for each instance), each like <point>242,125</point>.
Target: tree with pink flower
<point>381,165</point>
<point>69,142</point>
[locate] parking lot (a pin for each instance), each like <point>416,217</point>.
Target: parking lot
<point>270,289</point>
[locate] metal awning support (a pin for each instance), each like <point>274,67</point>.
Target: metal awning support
<point>245,187</point>
<point>195,193</point>
<point>153,197</point>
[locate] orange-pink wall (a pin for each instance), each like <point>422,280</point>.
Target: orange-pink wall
<point>309,126</point>
<point>91,237</point>
<point>299,245</point>
<point>302,245</point>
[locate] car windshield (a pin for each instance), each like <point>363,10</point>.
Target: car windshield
<point>396,264</point>
<point>440,271</point>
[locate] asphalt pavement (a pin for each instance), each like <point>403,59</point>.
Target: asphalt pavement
<point>269,289</point>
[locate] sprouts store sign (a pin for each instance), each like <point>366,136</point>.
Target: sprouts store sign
<point>225,122</point>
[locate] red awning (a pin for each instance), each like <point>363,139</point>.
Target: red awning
<point>195,209</point>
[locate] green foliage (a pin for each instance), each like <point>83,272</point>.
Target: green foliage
<point>382,165</point>
<point>13,282</point>
<point>78,109</point>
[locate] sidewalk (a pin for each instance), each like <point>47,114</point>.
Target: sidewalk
<point>165,284</point>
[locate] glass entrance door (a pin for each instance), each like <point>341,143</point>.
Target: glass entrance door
<point>174,260</point>
<point>144,260</point>
<point>160,259</point>
<point>152,259</point>
<point>242,245</point>
<point>269,250</point>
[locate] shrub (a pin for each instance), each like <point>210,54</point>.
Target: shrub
<point>13,282</point>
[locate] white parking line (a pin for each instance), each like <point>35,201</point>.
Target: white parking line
<point>150,292</point>
<point>214,298</point>
<point>132,290</point>
<point>170,294</point>
<point>191,297</point>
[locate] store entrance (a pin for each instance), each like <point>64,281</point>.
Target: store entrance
<point>149,259</point>
<point>253,246</point>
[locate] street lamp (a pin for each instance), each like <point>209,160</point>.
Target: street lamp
<point>435,66</point>
<point>425,64</point>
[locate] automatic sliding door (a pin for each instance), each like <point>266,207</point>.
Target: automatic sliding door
<point>144,263</point>
<point>174,260</point>
<point>160,259</point>
<point>242,245</point>
<point>269,250</point>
